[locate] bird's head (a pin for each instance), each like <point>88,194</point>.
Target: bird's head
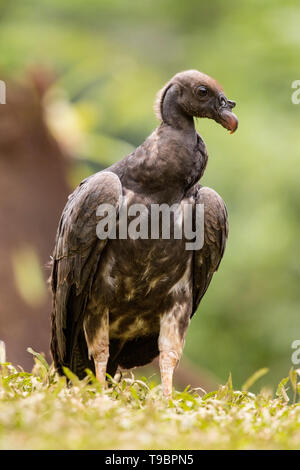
<point>195,94</point>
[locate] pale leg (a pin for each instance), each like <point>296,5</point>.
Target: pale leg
<point>96,330</point>
<point>170,343</point>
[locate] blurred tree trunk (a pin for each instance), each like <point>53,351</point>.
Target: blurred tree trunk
<point>33,191</point>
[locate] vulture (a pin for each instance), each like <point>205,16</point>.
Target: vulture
<point>120,301</point>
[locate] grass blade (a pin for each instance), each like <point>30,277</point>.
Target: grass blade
<point>254,378</point>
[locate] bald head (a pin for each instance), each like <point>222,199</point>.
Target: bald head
<point>195,94</point>
<point>194,78</point>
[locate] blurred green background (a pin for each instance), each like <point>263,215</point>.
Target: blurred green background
<point>111,57</point>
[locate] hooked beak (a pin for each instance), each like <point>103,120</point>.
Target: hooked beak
<point>225,116</point>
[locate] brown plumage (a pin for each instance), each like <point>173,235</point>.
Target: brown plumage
<point>123,302</point>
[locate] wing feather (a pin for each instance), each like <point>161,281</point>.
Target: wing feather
<point>206,261</point>
<point>75,259</point>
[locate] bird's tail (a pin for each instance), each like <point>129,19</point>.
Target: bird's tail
<point>58,364</point>
<point>77,358</point>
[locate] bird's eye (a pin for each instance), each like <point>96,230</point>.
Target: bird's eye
<point>201,90</point>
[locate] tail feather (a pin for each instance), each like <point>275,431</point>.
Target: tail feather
<point>77,359</point>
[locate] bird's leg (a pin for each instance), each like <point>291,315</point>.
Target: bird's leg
<point>170,344</point>
<point>168,361</point>
<point>96,329</point>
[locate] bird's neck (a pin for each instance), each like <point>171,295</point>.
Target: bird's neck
<point>173,115</point>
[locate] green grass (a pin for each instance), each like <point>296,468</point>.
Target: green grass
<point>39,410</point>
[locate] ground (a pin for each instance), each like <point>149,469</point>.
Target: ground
<point>39,410</point>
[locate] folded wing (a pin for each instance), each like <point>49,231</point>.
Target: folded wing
<point>207,260</point>
<point>76,257</point>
